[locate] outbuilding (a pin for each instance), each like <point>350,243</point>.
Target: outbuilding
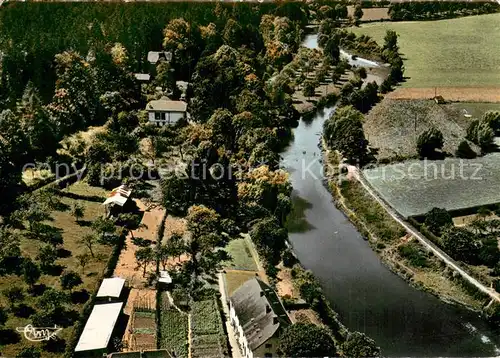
<point>111,289</point>
<point>98,330</point>
<point>166,112</point>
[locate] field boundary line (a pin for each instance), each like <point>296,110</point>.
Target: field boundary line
<point>421,238</point>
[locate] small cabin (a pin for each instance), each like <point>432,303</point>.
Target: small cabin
<point>166,112</point>
<point>439,100</point>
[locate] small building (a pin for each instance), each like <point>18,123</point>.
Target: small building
<point>155,56</point>
<point>96,335</point>
<point>118,200</point>
<point>166,112</point>
<point>258,318</point>
<point>165,278</point>
<point>111,289</point>
<point>142,77</point>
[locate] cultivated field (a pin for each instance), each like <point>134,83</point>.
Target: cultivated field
<point>462,52</point>
<point>209,340</point>
<point>456,94</point>
<point>372,13</point>
<point>393,126</point>
<point>415,187</point>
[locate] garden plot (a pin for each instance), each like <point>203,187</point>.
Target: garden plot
<point>143,326</point>
<point>174,329</point>
<point>415,187</point>
<point>208,338</point>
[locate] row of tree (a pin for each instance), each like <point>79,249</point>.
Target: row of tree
<point>427,10</point>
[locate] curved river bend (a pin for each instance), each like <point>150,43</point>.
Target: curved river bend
<point>369,298</point>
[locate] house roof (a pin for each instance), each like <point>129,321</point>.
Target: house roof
<point>256,306</point>
<point>99,327</point>
<point>111,287</point>
<point>153,56</point>
<point>118,196</point>
<point>167,105</point>
<point>142,76</point>
<point>165,277</point>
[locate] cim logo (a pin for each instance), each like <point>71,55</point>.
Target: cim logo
<point>39,334</point>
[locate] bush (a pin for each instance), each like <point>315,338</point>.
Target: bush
<point>496,285</point>
<point>414,254</point>
<point>465,151</point>
<point>429,141</point>
<point>289,258</point>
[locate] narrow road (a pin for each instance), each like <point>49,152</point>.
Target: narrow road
<point>423,240</point>
<point>233,341</point>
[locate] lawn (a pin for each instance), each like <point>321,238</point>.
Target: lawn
<point>241,256</point>
<point>234,279</point>
<point>208,333</point>
<point>72,232</point>
<point>462,52</point>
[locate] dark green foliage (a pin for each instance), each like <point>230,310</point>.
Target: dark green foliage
<point>269,237</point>
<point>47,255</point>
<point>496,285</point>
<point>480,133</point>
<point>306,340</point>
<point>3,316</point>
<point>461,244</point>
<point>343,131</point>
<point>493,120</point>
<point>414,254</point>
<point>359,345</point>
<point>437,220</point>
<point>309,89</point>
<point>426,10</point>
<point>70,280</point>
<point>52,300</point>
<point>428,141</point>
<point>31,272</point>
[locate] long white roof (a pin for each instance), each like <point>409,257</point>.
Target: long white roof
<point>111,287</point>
<point>99,327</point>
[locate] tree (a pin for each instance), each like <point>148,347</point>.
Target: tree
<point>309,90</point>
<point>52,300</point>
<point>358,12</point>
<point>343,131</point>
<point>270,238</point>
<point>89,241</point>
<point>11,252</point>
<point>306,340</point>
<point>31,272</point>
<point>461,244</point>
<point>70,280</point>
<point>437,220</point>
<point>77,211</point>
<point>480,132</point>
<point>47,255</point>
<point>130,221</point>
<point>83,260</point>
<point>144,256</point>
<point>428,141</point>
<point>360,345</point>
<point>13,294</point>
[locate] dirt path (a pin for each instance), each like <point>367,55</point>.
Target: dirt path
<point>454,94</point>
<point>127,264</point>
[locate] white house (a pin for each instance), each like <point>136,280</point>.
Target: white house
<point>166,112</point>
<point>258,318</point>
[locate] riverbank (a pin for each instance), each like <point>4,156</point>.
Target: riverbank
<point>400,252</point>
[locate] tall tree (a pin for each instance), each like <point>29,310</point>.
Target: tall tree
<point>359,345</point>
<point>306,340</point>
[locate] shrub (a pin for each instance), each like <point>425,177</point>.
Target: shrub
<point>465,151</point>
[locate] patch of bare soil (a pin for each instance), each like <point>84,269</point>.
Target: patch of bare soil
<point>454,94</point>
<point>371,13</point>
<point>137,298</point>
<point>285,284</point>
<point>127,267</point>
<point>305,316</point>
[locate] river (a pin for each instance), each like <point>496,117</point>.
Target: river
<point>368,296</point>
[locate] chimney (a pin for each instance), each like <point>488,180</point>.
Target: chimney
<point>261,293</point>
<point>268,309</point>
<point>275,320</point>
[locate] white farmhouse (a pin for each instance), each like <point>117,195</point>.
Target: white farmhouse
<point>258,318</point>
<point>166,112</point>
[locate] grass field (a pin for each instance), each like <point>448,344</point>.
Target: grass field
<point>241,255</point>
<point>462,52</point>
<point>72,233</point>
<point>234,279</point>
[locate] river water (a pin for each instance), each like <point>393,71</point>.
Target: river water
<point>369,298</point>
